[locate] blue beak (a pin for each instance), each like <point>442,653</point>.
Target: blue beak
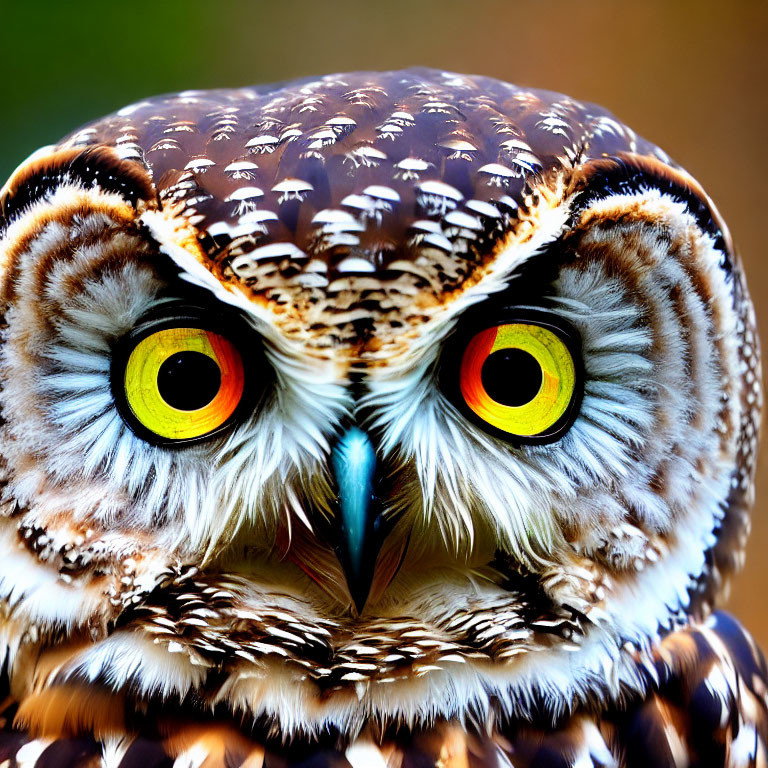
<point>354,466</point>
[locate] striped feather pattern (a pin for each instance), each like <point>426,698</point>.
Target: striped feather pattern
<point>706,706</point>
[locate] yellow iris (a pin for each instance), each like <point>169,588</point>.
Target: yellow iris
<point>558,378</point>
<point>214,388</point>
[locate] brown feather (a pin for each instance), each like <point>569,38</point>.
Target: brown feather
<point>70,710</point>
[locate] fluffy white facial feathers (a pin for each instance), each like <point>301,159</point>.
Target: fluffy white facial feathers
<point>637,402</point>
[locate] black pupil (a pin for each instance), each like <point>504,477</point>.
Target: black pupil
<point>511,376</point>
<point>188,380</point>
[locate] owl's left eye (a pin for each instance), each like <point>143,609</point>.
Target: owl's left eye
<point>518,378</point>
<point>178,380</point>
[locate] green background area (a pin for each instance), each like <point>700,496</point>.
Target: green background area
<point>690,76</point>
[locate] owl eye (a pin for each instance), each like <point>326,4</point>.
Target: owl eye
<point>520,378</point>
<point>178,380</point>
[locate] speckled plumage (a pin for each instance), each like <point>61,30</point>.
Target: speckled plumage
<point>356,175</point>
<point>705,706</point>
<point>531,605</point>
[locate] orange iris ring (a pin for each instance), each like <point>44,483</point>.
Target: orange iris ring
<point>142,393</point>
<point>556,393</point>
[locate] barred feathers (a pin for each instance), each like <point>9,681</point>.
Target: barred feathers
<point>705,706</point>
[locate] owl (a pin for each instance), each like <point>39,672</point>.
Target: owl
<point>382,419</point>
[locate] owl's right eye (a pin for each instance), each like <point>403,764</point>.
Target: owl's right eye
<point>178,380</point>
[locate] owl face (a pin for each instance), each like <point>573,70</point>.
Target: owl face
<point>384,397</point>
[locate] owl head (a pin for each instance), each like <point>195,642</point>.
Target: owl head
<point>383,397</point>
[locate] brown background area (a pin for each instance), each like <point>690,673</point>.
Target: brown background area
<point>690,76</point>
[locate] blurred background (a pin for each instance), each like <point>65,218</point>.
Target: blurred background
<point>690,75</point>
